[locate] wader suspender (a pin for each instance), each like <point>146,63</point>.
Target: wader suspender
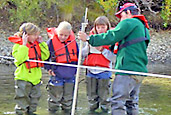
<point>134,41</point>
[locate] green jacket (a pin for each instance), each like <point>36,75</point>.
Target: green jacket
<point>20,53</point>
<point>133,57</point>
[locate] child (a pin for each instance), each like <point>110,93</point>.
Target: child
<point>29,45</point>
<point>98,80</point>
<point>64,49</point>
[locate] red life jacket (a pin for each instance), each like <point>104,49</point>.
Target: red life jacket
<point>15,39</point>
<point>143,19</point>
<point>65,52</point>
<point>51,32</point>
<point>34,52</point>
<point>96,59</point>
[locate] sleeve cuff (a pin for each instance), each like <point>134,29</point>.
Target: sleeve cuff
<point>87,39</point>
<point>104,51</point>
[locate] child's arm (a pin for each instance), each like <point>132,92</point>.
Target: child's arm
<point>20,53</point>
<point>109,55</point>
<point>44,51</point>
<point>85,50</point>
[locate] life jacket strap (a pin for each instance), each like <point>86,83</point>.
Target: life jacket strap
<point>134,41</point>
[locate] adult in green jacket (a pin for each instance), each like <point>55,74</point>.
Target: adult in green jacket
<point>29,45</point>
<point>133,37</point>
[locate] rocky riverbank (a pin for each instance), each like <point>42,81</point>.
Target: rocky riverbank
<point>159,50</point>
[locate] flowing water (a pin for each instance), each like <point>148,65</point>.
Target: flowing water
<point>155,96</point>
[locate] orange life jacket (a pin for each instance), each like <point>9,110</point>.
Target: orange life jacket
<point>65,52</point>
<point>34,52</point>
<point>51,32</point>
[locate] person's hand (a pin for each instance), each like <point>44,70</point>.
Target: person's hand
<point>51,73</point>
<point>82,36</point>
<point>100,48</point>
<point>40,39</point>
<point>25,38</point>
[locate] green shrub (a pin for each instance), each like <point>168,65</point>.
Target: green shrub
<point>166,12</point>
<point>48,12</point>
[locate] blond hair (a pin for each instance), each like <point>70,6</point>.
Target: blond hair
<point>64,26</point>
<point>102,20</point>
<point>28,28</point>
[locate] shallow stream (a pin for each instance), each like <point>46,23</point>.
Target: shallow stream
<point>155,96</point>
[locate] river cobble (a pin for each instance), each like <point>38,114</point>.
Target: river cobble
<point>159,49</point>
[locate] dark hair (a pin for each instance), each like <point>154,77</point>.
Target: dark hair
<point>133,9</point>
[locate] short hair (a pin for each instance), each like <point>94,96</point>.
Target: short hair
<point>28,28</point>
<point>64,26</point>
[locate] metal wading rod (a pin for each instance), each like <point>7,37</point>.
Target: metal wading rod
<point>83,26</point>
<point>98,68</point>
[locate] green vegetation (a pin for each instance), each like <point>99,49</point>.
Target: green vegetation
<point>153,95</point>
<point>166,12</point>
<point>109,7</point>
<point>51,12</point>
